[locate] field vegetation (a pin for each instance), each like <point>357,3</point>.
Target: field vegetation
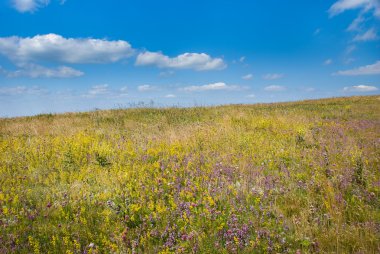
<point>299,177</point>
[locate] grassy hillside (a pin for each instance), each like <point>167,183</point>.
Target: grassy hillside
<point>270,178</point>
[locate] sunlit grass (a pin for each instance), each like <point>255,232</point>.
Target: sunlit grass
<point>271,178</point>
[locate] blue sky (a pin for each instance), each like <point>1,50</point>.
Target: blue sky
<point>59,56</point>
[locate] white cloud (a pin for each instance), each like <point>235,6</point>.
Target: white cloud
<point>365,5</point>
<point>196,61</point>
<point>328,62</point>
<point>37,71</point>
<point>273,76</point>
<point>372,69</point>
<point>309,89</point>
<point>106,91</point>
<point>242,59</point>
<point>3,71</point>
<point>350,49</point>
<point>21,90</point>
<point>29,5</point>
<point>349,60</point>
<point>55,48</point>
<point>98,90</point>
<point>356,24</point>
<point>369,35</point>
<point>274,88</point>
<point>251,96</point>
<point>123,91</point>
<point>360,88</point>
<point>317,31</point>
<point>347,52</point>
<point>170,96</point>
<point>247,77</point>
<point>212,87</point>
<point>166,74</point>
<point>145,88</point>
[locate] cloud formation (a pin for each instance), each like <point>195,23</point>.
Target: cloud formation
<point>98,90</point>
<point>247,77</point>
<point>212,87</point>
<point>145,88</point>
<point>358,25</point>
<point>365,5</point>
<point>195,61</point>
<point>309,89</point>
<point>29,5</point>
<point>37,71</point>
<point>105,91</point>
<point>328,61</point>
<point>360,88</point>
<point>369,35</point>
<point>273,76</point>
<point>372,69</point>
<point>274,88</point>
<point>21,90</point>
<point>55,48</point>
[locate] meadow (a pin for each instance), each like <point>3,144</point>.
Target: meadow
<point>297,177</point>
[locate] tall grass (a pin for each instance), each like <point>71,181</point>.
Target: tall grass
<point>268,178</point>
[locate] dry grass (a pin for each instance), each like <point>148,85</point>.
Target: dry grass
<point>268,178</point>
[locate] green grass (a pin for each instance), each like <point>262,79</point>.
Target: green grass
<point>266,178</point>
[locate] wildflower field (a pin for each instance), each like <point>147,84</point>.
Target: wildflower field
<point>268,178</point>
